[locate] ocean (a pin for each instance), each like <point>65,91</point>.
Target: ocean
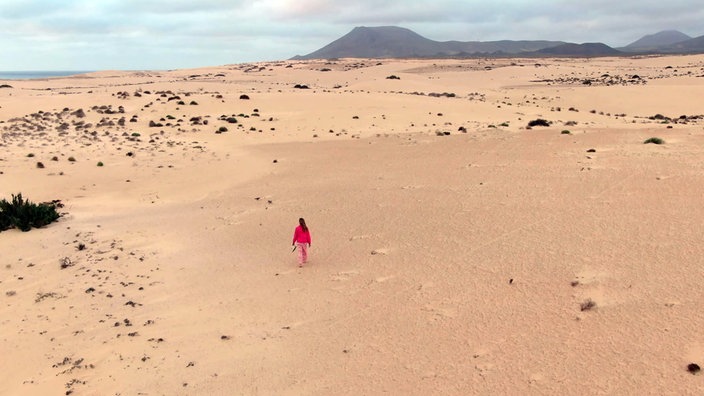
<point>24,75</point>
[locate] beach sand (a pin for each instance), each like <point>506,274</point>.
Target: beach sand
<point>455,250</point>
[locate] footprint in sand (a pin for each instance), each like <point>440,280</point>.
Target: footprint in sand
<point>383,279</point>
<point>356,237</point>
<point>343,275</point>
<point>445,312</point>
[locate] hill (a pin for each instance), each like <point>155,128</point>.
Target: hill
<point>586,49</point>
<point>657,40</point>
<point>397,42</point>
<point>695,45</point>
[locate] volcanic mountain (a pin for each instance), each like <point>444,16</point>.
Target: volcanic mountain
<point>397,42</point>
<point>661,39</point>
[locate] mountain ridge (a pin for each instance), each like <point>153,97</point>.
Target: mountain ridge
<point>399,42</point>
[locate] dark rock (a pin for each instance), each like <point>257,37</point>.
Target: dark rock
<point>693,368</point>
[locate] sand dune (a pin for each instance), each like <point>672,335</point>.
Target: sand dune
<point>455,250</point>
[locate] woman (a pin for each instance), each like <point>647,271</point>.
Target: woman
<point>301,241</point>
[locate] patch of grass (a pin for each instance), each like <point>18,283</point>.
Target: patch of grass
<point>654,140</point>
<point>25,215</point>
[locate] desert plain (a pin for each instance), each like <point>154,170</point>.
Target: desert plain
<point>456,250</point>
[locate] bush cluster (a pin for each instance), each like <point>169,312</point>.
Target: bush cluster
<point>23,214</point>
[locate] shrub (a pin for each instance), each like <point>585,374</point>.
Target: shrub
<point>222,129</point>
<point>538,122</point>
<point>100,163</point>
<point>587,305</point>
<point>23,214</point>
<point>654,140</point>
<point>566,132</point>
<point>232,120</point>
<point>71,159</point>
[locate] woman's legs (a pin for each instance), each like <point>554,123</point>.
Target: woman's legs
<point>302,253</point>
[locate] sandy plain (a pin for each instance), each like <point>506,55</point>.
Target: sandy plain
<point>454,249</point>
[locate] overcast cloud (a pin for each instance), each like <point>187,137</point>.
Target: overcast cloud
<point>169,34</point>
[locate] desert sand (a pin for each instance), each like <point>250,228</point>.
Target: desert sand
<point>455,250</point>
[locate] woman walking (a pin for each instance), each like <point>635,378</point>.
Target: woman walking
<point>301,241</point>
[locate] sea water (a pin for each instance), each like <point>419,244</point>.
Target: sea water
<point>26,75</point>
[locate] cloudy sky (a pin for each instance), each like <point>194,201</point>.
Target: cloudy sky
<point>169,34</point>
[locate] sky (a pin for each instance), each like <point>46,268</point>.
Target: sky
<point>88,35</point>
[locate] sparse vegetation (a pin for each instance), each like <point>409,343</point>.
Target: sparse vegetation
<point>25,215</point>
<point>587,305</point>
<point>654,140</point>
<point>539,122</point>
<point>566,132</point>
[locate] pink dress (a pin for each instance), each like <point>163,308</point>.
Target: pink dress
<point>302,240</point>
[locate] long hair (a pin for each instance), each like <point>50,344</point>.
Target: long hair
<point>303,224</point>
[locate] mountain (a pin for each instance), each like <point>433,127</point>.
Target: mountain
<point>586,50</point>
<point>695,45</point>
<point>653,41</point>
<point>397,42</point>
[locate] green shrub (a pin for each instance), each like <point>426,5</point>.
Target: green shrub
<point>566,132</point>
<point>23,214</point>
<point>654,140</point>
<point>100,163</point>
<point>222,129</point>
